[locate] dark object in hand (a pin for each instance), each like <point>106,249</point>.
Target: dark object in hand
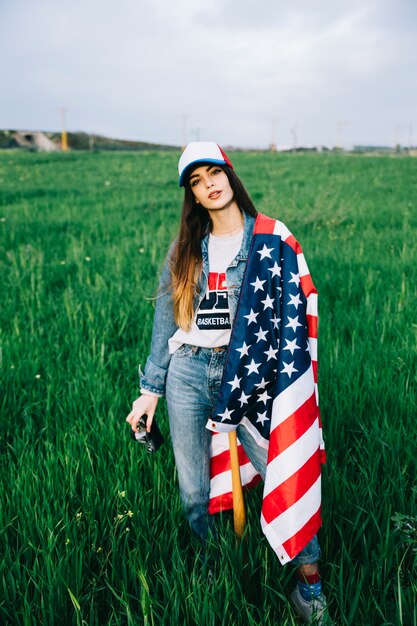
<point>152,440</point>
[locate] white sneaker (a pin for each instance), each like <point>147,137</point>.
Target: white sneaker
<point>313,611</point>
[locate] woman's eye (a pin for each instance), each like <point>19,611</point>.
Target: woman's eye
<point>216,171</point>
<point>195,182</point>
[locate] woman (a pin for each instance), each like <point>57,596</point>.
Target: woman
<point>196,309</point>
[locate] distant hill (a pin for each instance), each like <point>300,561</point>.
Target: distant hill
<point>46,141</point>
<point>49,141</point>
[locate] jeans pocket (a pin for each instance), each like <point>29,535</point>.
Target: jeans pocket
<point>183,351</point>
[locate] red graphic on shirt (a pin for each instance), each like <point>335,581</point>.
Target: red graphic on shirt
<point>217,281</point>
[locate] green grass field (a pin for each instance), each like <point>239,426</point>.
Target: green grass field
<point>91,527</point>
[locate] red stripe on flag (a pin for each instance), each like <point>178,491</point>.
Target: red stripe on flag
<point>264,225</point>
<point>292,489</point>
<point>293,243</point>
<point>314,364</point>
<point>292,428</point>
<point>312,324</point>
<point>221,462</point>
<point>297,542</point>
<point>307,285</point>
<point>224,501</point>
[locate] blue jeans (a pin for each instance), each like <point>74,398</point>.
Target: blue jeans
<point>193,383</point>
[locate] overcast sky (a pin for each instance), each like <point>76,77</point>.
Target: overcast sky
<point>239,72</point>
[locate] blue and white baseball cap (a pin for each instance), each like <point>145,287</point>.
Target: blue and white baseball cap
<point>200,152</point>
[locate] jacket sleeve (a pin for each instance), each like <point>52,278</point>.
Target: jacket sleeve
<point>164,326</point>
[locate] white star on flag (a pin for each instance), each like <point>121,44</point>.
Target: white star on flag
<point>265,252</point>
<point>275,320</point>
<point>275,270</point>
<point>295,279</point>
<point>292,345</point>
<point>293,323</point>
<point>263,397</point>
<point>243,350</point>
<point>271,352</point>
<point>252,367</point>
<point>262,417</point>
<point>227,415</point>
<point>258,284</point>
<point>268,303</point>
<point>261,334</point>
<point>251,317</point>
<point>295,300</point>
<point>243,399</point>
<point>288,369</point>
<point>262,384</point>
<point>235,383</point>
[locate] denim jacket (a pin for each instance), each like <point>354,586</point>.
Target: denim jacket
<point>164,326</point>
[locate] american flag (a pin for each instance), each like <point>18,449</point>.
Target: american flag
<point>270,386</point>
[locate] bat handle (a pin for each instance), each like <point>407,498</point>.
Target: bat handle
<point>239,512</point>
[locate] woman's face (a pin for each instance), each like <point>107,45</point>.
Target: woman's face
<point>211,187</point>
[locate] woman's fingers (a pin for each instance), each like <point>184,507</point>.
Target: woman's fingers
<point>144,405</point>
<point>133,419</point>
<point>149,421</point>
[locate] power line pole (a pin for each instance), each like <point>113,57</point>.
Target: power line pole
<point>340,127</point>
<point>294,137</point>
<point>184,130</point>
<point>64,140</point>
<point>273,146</point>
<point>339,132</point>
<point>196,133</point>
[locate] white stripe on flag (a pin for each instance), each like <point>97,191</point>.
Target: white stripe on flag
<point>302,264</point>
<point>274,541</point>
<point>281,230</point>
<point>289,400</point>
<point>312,304</point>
<point>220,443</point>
<point>292,459</point>
<point>293,519</point>
<point>312,342</point>
<point>261,441</point>
<point>317,394</point>
<point>322,447</point>
<point>222,483</point>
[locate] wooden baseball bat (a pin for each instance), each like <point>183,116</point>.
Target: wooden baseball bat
<point>239,512</point>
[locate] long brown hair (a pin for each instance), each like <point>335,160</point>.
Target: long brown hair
<point>186,260</point>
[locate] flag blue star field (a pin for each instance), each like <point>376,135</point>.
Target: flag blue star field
<point>270,387</point>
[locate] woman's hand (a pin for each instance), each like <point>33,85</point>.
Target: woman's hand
<point>145,404</point>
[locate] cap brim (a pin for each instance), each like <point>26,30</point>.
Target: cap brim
<point>186,171</point>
